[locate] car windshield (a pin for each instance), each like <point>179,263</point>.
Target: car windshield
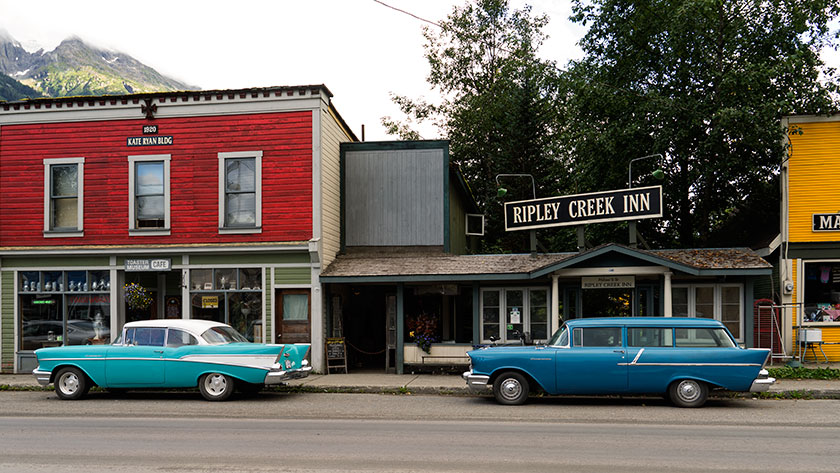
<point>222,334</point>
<point>560,337</point>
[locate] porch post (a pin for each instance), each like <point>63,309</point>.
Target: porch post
<point>400,327</point>
<point>667,296</point>
<point>555,304</point>
<point>476,326</point>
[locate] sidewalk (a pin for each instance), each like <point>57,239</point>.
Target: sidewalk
<point>453,384</point>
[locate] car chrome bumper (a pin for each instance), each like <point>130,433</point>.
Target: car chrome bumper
<point>762,383</point>
<point>476,382</point>
<point>280,376</point>
<point>43,377</point>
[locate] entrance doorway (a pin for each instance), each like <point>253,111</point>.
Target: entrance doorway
<point>292,318</point>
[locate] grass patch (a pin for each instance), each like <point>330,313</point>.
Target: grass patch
<point>787,372</point>
<point>801,395</point>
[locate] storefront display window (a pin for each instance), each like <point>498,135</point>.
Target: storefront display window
<point>64,308</point>
<point>514,311</point>
<point>821,298</point>
<point>229,295</point>
<point>723,302</point>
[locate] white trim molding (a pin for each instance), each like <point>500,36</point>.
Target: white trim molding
<point>132,194</point>
<point>80,198</point>
<point>257,155</point>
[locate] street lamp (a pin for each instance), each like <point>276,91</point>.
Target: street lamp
<point>501,192</point>
<point>657,174</point>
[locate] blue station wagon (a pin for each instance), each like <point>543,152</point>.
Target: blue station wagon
<point>682,358</point>
<point>172,353</point>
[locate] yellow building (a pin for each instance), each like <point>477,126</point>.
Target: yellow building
<point>810,252</point>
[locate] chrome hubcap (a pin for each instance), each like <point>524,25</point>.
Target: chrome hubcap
<point>688,390</point>
<point>215,384</point>
<point>69,383</point>
<point>511,389</point>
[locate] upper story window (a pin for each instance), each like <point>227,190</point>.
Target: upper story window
<point>149,196</point>
<point>64,197</point>
<point>240,192</point>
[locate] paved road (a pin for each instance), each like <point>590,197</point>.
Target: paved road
<point>367,432</point>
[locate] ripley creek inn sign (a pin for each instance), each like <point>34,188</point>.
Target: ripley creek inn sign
<point>596,207</point>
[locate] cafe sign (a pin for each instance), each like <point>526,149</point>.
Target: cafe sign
<point>596,207</point>
<point>825,222</point>
<point>159,264</point>
<point>608,282</point>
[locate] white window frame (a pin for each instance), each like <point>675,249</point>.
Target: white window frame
<point>80,197</point>
<point>718,302</point>
<point>257,155</point>
<point>526,310</point>
<point>132,195</point>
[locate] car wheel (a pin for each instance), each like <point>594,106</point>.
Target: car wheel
<point>71,384</point>
<point>216,386</point>
<point>511,388</point>
<point>688,393</point>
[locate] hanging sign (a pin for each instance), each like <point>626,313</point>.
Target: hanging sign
<point>825,222</point>
<point>159,264</point>
<point>608,282</point>
<point>596,207</point>
<point>209,302</point>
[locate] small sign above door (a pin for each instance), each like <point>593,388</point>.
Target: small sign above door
<point>608,282</point>
<point>159,264</point>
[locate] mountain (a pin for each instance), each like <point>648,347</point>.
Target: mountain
<point>11,89</point>
<point>77,68</point>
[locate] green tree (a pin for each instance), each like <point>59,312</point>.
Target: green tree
<point>500,105</point>
<point>704,83</point>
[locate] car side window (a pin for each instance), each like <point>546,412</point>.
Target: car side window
<point>179,338</point>
<point>597,337</point>
<point>650,337</point>
<point>149,336</point>
<point>703,338</point>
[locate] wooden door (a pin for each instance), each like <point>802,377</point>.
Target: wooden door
<point>292,316</point>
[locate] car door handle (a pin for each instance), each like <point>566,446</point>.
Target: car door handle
<point>618,351</point>
<point>158,351</point>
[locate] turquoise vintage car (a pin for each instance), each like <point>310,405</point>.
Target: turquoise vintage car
<point>682,358</point>
<point>172,354</point>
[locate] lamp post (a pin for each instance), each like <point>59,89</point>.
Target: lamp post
<point>658,174</point>
<point>501,192</point>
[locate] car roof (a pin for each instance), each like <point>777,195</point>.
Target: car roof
<point>195,325</point>
<point>645,322</point>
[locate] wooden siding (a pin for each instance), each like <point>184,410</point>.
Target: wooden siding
<point>250,259</point>
<point>292,275</point>
<point>284,138</point>
<point>394,198</point>
<point>269,308</point>
<point>7,321</point>
<point>457,221</point>
<point>813,169</point>
<point>331,137</point>
<point>25,262</point>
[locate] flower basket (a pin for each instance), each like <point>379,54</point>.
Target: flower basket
<point>423,330</point>
<point>137,297</point>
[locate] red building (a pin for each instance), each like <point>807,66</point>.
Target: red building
<point>215,204</point>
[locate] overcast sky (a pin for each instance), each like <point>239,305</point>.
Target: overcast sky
<point>360,49</point>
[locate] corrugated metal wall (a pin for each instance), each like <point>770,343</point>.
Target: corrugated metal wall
<point>394,198</point>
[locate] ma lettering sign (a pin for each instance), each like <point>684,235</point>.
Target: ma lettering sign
<point>826,222</point>
<point>596,207</point>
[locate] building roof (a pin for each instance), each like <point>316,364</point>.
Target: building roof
<point>441,267</point>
